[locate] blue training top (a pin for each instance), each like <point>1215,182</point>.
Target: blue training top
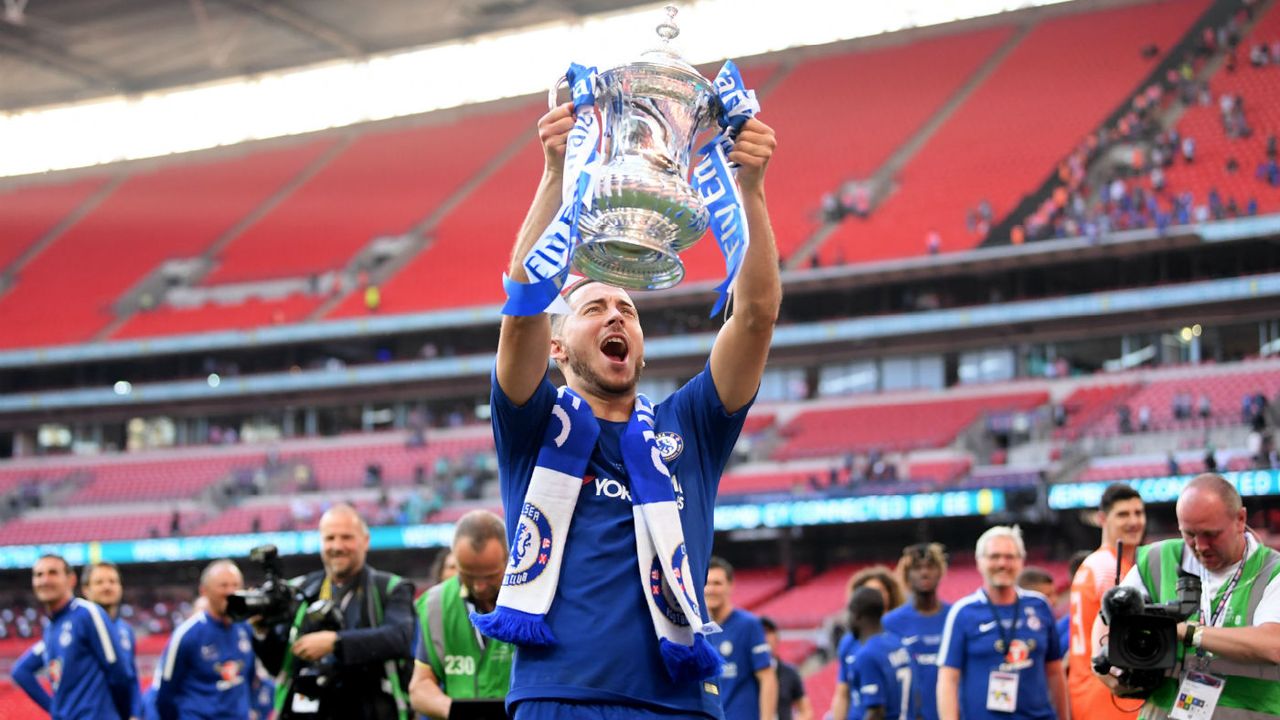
<point>205,671</point>
<point>91,676</point>
<point>745,652</point>
<point>922,637</point>
<point>846,656</point>
<point>882,673</point>
<point>969,643</point>
<point>608,649</point>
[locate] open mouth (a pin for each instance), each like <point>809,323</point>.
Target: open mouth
<point>615,348</point>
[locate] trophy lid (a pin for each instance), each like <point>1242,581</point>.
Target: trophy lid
<point>665,53</point>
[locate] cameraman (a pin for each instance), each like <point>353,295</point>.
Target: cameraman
<point>1231,644</point>
<point>364,665</point>
<point>453,660</point>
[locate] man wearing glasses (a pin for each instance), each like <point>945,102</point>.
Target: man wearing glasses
<point>1001,654</point>
<point>453,661</point>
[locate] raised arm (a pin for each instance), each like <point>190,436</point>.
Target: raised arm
<point>525,342</point>
<point>741,348</point>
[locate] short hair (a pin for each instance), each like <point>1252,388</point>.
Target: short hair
<point>1218,485</point>
<point>66,566</point>
<point>912,555</point>
<point>215,566</point>
<point>88,570</point>
<point>718,562</point>
<point>1077,559</point>
<point>1013,532</point>
<point>557,319</point>
<point>1034,576</point>
<point>348,508</point>
<point>1117,492</point>
<point>886,577</point>
<point>866,602</point>
<point>768,624</point>
<point>478,527</point>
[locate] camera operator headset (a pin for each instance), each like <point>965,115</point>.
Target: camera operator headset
<point>1229,656</point>
<point>363,669</point>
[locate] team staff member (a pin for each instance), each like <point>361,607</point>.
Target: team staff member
<point>370,654</point>
<point>1123,519</point>
<point>90,675</point>
<point>920,622</point>
<point>1000,655</point>
<point>793,703</point>
<point>748,682</point>
<point>1231,646</point>
<point>208,666</point>
<point>453,660</point>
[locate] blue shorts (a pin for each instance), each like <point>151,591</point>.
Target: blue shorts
<point>566,710</point>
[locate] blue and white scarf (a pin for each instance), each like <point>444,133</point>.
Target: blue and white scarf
<point>533,571</point>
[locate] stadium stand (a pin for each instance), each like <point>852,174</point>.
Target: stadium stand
<point>30,213</point>
<point>1087,404</point>
<point>66,293</point>
<point>1051,90</point>
<point>247,314</point>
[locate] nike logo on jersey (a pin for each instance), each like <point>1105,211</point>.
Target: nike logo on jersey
<point>987,626</point>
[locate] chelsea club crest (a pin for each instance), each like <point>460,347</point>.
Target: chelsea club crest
<point>531,550</point>
<point>670,445</point>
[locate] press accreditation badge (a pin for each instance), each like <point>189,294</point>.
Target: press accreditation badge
<point>1002,692</point>
<point>1197,696</point>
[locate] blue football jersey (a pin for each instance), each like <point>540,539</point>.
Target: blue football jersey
<point>882,674</point>
<point>90,674</point>
<point>922,637</point>
<point>974,642</point>
<point>847,656</point>
<point>205,671</point>
<point>607,650</point>
<point>745,652</point>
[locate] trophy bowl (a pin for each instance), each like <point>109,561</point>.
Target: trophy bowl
<point>644,212</point>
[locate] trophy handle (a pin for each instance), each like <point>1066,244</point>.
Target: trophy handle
<point>554,92</point>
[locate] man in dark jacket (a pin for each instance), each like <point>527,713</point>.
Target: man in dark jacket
<point>349,657</point>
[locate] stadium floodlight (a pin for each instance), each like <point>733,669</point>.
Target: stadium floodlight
<point>123,387</point>
<point>480,69</point>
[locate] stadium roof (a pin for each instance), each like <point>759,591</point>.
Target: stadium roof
<point>56,51</point>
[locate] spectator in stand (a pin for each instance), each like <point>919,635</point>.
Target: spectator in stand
<point>793,703</point>
<point>1205,406</point>
<point>920,622</point>
<point>1189,149</point>
<point>1000,643</point>
<point>1144,417</point>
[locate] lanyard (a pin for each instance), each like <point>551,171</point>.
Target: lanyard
<point>1207,603</point>
<point>1006,643</point>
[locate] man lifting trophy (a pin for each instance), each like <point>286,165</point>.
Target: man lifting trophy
<point>624,634</point>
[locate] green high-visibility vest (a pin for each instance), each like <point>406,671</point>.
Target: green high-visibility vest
<point>461,666</point>
<point>1251,690</point>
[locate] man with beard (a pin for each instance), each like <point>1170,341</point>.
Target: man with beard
<point>1123,519</point>
<point>920,622</point>
<point>364,665</point>
<point>1229,657</point>
<point>88,671</point>
<point>1000,653</point>
<point>453,661</point>
<point>612,627</point>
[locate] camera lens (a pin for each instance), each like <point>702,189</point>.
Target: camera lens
<point>1144,645</point>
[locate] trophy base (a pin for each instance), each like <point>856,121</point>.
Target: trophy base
<point>630,249</point>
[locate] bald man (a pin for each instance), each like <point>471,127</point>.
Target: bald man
<point>369,656</point>
<point>1229,659</point>
<point>208,665</point>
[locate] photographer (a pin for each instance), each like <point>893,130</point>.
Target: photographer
<point>454,661</point>
<point>349,658</point>
<point>1228,657</point>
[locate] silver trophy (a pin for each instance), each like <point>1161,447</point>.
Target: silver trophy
<point>645,212</point>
